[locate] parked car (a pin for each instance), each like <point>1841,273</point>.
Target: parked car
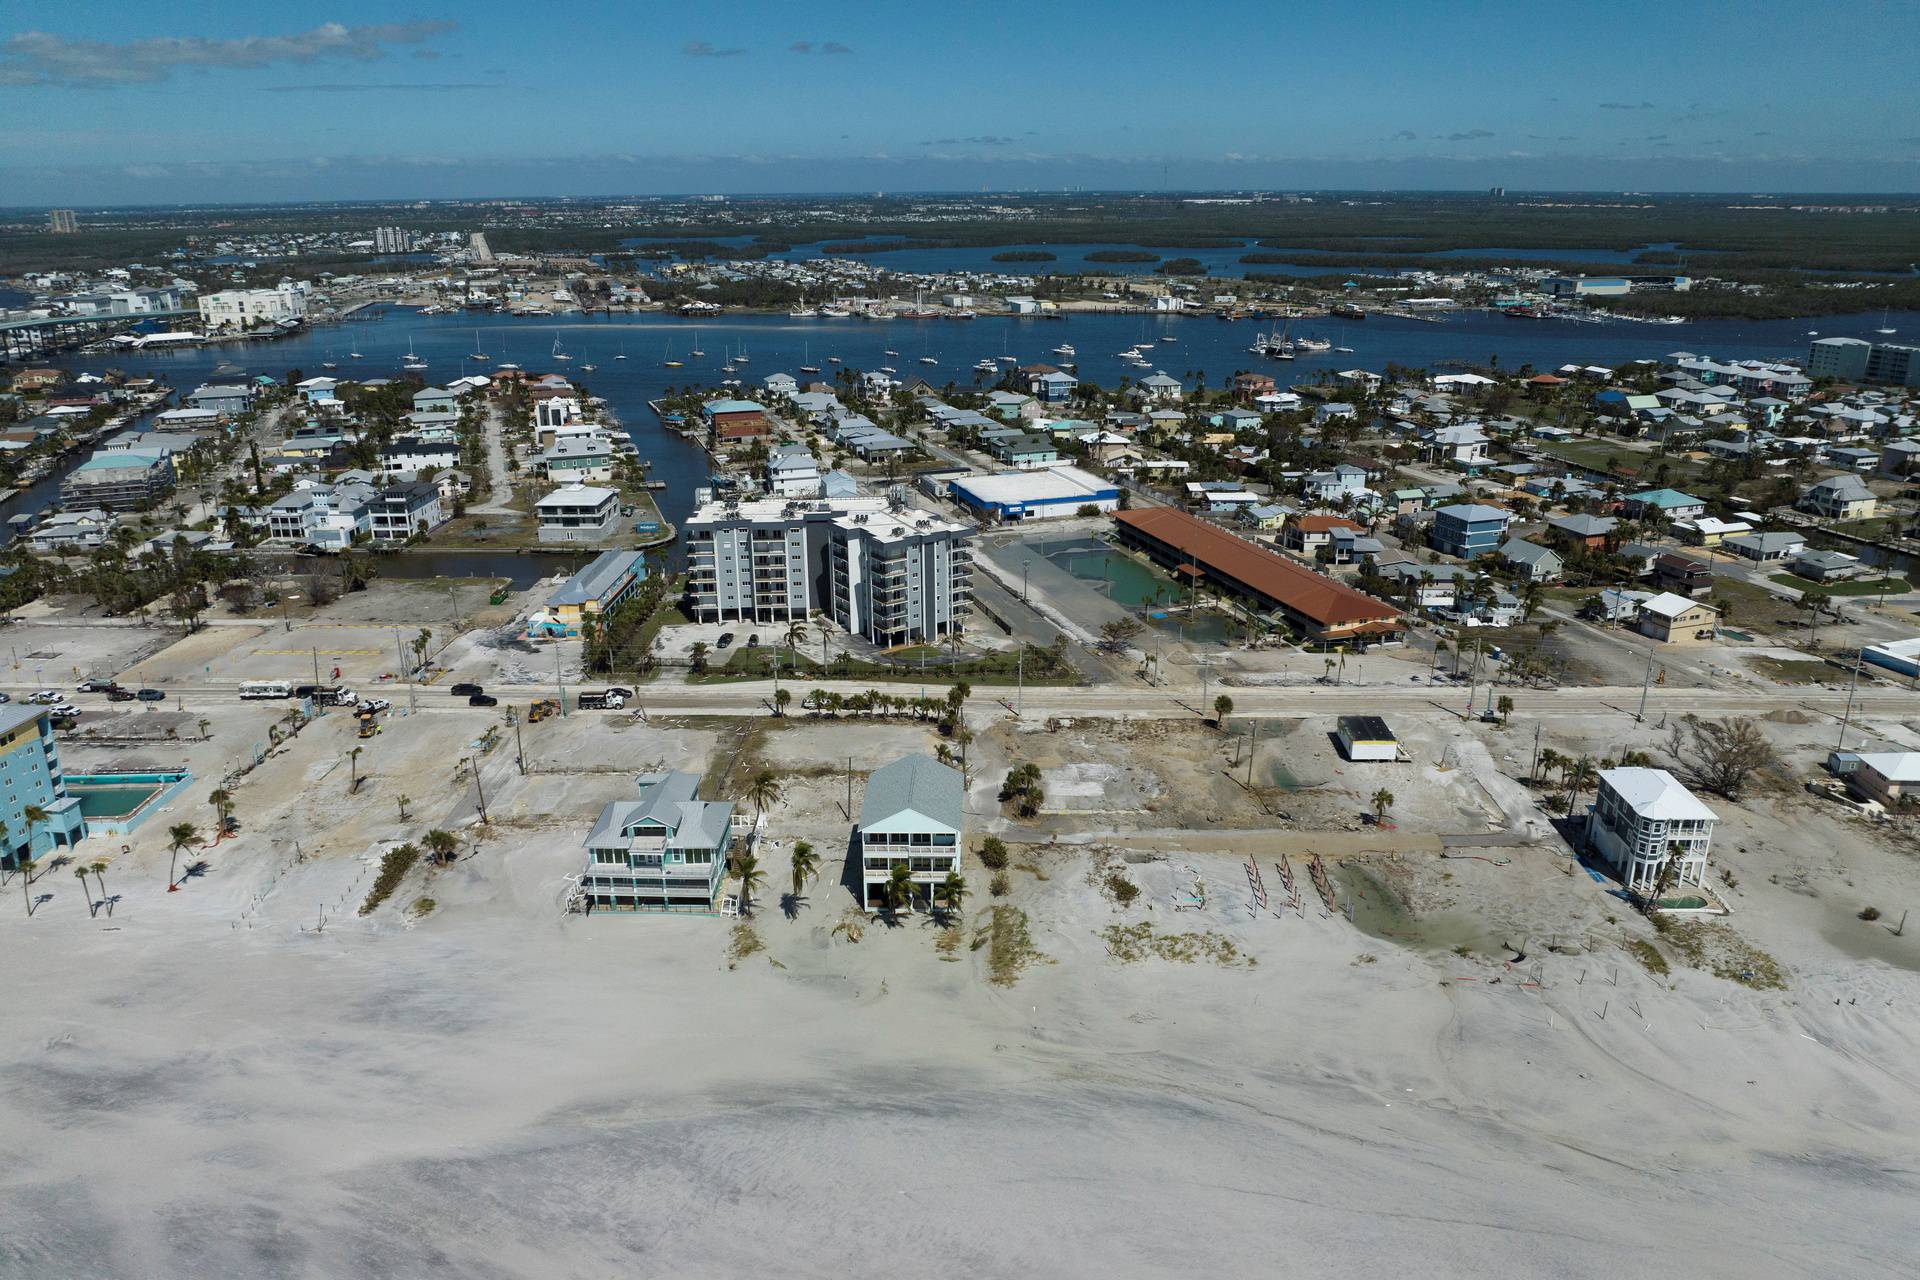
<point>117,694</point>
<point>5,698</point>
<point>464,690</point>
<point>753,641</point>
<point>65,709</point>
<point>374,705</point>
<point>726,638</point>
<point>45,697</point>
<point>151,695</point>
<point>482,700</point>
<point>97,686</point>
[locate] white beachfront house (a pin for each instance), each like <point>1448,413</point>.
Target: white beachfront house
<point>666,850</point>
<point>911,815</point>
<point>1639,817</point>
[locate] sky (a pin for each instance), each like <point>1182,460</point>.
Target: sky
<point>184,102</point>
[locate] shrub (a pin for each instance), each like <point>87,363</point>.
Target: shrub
<point>393,869</point>
<point>1869,913</point>
<point>1000,886</point>
<point>993,853</point>
<point>1124,891</point>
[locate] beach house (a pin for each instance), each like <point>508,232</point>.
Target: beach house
<point>665,851</point>
<point>1642,817</point>
<point>911,816</point>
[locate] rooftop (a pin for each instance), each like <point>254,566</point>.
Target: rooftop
<point>1656,794</point>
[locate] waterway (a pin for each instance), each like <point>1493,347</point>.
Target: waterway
<point>1184,346</point>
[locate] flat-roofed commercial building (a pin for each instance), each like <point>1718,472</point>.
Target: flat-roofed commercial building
<point>1310,603</point>
<point>1034,495</point>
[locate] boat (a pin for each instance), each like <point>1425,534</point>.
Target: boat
<point>559,354</point>
<point>623,352</point>
<point>329,362</point>
<point>355,355</point>
<point>412,361</point>
<point>806,354</point>
<point>1312,344</point>
<point>1346,311</point>
<point>929,360</point>
<point>986,364</point>
<point>802,313</point>
<point>833,359</point>
<point>740,356</point>
<point>1167,337</point>
<point>1345,351</point>
<point>835,313</point>
<point>887,368</point>
<point>1883,322</point>
<point>588,368</point>
<point>477,353</point>
<point>667,361</point>
<point>889,352</point>
<point>695,352</point>
<point>1064,349</point>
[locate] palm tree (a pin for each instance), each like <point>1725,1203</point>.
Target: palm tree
<point>900,886</point>
<point>1579,774</point>
<point>99,870</point>
<point>222,801</point>
<point>698,656</point>
<point>796,636</point>
<point>403,802</point>
<point>1382,801</point>
<point>751,878</point>
<point>1505,707</point>
<point>764,791</point>
<point>353,770</point>
<point>181,835</point>
<point>441,844</point>
<point>27,867</point>
<point>33,815</point>
<point>81,874</point>
<point>1222,708</point>
<point>954,890</point>
<point>781,697</point>
<point>806,864</point>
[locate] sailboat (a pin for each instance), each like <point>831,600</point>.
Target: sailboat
<point>623,352</point>
<point>329,363</point>
<point>695,353</point>
<point>355,355</point>
<point>740,356</point>
<point>806,353</point>
<point>1883,322</point>
<point>1344,349</point>
<point>558,354</point>
<point>667,360</point>
<point>890,351</point>
<point>478,354</point>
<point>412,361</point>
<point>588,367</point>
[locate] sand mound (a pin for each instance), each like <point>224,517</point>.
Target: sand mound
<point>1789,715</point>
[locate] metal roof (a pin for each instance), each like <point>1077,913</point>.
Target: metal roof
<point>1656,794</point>
<point>914,793</point>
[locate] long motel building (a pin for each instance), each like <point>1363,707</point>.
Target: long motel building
<point>877,568</point>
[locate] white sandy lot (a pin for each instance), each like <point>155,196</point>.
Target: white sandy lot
<point>202,1085</point>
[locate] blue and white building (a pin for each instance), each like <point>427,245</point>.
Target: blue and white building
<point>31,776</point>
<point>1034,495</point>
<point>665,851</point>
<point>1468,530</point>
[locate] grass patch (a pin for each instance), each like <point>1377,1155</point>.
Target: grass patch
<point>422,907</point>
<point>1122,890</point>
<point>1725,954</point>
<point>1649,956</point>
<point>947,945</point>
<point>1032,869</point>
<point>393,869</point>
<point>1854,587</point>
<point>744,942</point>
<point>1009,945</point>
<point>1130,942</point>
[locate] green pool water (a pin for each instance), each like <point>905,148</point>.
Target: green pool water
<point>1120,577</point>
<point>111,802</point>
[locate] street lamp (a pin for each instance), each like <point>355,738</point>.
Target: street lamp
<point>285,622</point>
<point>1023,580</point>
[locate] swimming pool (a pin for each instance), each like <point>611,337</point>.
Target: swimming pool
<point>115,803</point>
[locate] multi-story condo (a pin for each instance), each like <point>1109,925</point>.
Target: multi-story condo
<point>118,478</point>
<point>1640,817</point>
<point>246,308</point>
<point>892,574</point>
<point>1468,529</point>
<point>30,776</point>
<point>400,511</point>
<point>1857,360</point>
<point>578,513</point>
<point>911,816</point>
<point>665,850</point>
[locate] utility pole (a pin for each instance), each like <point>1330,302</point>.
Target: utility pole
<point>1533,770</point>
<point>559,681</point>
<point>480,794</point>
<point>1253,740</point>
<point>316,664</point>
<point>1645,684</point>
<point>519,749</point>
<point>1852,685</point>
<point>1020,688</point>
<point>400,651</point>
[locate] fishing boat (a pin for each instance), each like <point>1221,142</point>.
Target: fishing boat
<point>558,353</point>
<point>1312,344</point>
<point>477,353</point>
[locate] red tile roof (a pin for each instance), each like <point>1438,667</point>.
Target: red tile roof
<point>1319,599</point>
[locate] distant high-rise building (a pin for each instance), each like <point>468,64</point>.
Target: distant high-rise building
<point>61,222</point>
<point>1496,192</point>
<point>392,240</point>
<point>1857,360</point>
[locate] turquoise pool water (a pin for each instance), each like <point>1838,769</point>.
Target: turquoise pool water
<point>111,802</point>
<point>116,803</point>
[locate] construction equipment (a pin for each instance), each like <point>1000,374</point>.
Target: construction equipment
<point>542,709</point>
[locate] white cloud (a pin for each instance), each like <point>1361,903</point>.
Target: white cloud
<point>40,58</point>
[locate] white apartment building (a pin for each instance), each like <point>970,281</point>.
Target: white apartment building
<point>892,574</point>
<point>1642,815</point>
<point>578,513</point>
<point>234,309</point>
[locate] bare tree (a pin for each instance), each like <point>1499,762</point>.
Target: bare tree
<point>1721,755</point>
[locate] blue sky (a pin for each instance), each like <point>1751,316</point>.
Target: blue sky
<point>181,101</point>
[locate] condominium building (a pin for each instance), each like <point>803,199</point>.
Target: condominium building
<point>578,513</point>
<point>890,573</point>
<point>118,478</point>
<point>30,776</point>
<point>1857,360</point>
<point>1640,817</point>
<point>232,309</point>
<point>61,222</point>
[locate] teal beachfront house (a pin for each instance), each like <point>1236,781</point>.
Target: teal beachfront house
<point>665,851</point>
